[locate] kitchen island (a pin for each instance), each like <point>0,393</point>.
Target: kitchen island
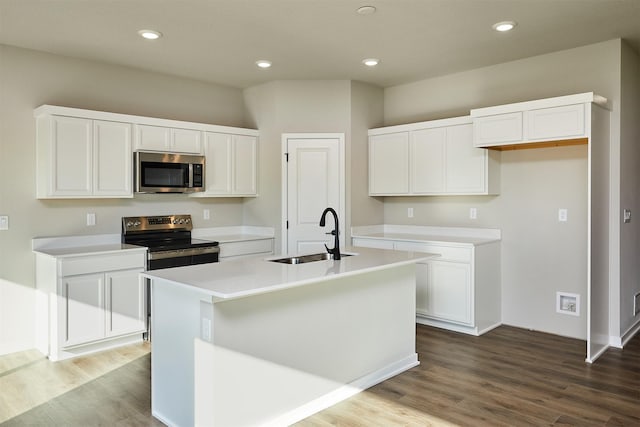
<point>256,342</point>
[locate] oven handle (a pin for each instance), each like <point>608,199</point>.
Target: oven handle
<point>182,252</point>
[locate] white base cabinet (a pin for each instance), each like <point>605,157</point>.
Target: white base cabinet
<point>460,290</point>
<point>89,302</point>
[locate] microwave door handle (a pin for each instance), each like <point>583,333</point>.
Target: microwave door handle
<point>190,184</point>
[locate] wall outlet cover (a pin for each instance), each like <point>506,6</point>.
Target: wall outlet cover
<point>568,303</point>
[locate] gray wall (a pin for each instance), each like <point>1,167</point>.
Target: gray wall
<point>629,188</point>
<point>540,256</point>
<point>336,106</point>
<point>29,79</point>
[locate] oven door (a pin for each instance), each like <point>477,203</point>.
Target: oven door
<point>168,173</point>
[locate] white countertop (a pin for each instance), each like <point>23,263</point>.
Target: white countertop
<point>246,277</point>
<point>429,234</point>
<point>65,252</point>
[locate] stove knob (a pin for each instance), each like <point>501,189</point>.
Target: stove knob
<point>137,223</point>
<point>181,221</point>
<point>187,220</point>
<point>175,221</point>
<point>129,223</point>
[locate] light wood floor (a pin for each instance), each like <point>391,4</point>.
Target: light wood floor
<point>508,377</point>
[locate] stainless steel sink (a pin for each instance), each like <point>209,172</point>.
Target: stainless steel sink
<point>306,258</point>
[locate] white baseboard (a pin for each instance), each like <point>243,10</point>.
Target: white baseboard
<point>345,391</point>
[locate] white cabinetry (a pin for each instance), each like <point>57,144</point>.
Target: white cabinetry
<point>460,290</point>
<point>232,162</point>
<point>81,158</point>
<point>93,301</point>
<point>175,140</point>
<point>246,248</point>
<point>545,120</point>
<point>389,163</point>
<point>430,158</point>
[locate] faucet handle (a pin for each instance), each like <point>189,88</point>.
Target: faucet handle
<point>332,232</point>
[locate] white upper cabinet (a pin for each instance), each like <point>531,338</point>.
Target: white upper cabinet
<point>175,140</point>
<point>389,164</point>
<point>430,158</point>
<point>231,165</point>
<point>79,157</point>
<point>552,119</point>
<point>89,154</point>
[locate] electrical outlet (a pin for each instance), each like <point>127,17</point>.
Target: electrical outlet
<point>206,214</point>
<point>473,213</point>
<point>563,215</point>
<point>627,216</point>
<point>410,212</point>
<point>91,219</point>
<point>4,222</point>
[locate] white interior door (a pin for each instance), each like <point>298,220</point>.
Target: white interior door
<point>313,179</point>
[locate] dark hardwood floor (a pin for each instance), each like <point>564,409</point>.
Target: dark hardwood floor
<point>507,377</point>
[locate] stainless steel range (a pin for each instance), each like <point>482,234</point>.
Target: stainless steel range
<point>168,238</point>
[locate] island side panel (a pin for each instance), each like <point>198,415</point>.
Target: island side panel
<point>291,353</point>
<point>175,322</point>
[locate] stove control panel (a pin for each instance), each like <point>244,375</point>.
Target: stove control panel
<point>156,223</point>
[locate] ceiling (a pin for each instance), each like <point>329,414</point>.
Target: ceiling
<point>219,40</point>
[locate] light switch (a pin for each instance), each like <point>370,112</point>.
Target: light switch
<point>4,222</point>
<point>473,213</point>
<point>206,214</point>
<point>410,212</point>
<point>627,215</point>
<point>91,219</point>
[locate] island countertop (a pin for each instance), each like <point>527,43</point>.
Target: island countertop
<point>246,277</point>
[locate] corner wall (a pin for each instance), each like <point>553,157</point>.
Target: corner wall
<point>540,255</point>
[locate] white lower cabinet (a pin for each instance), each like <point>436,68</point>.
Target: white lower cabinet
<point>246,248</point>
<point>93,302</point>
<point>460,290</point>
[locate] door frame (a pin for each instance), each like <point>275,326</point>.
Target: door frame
<point>284,177</point>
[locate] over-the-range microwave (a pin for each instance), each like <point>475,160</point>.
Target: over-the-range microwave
<point>168,172</point>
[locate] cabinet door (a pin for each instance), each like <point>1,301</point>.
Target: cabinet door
<point>245,159</point>
<point>153,138</point>
<point>556,122</point>
<point>82,309</point>
<point>389,164</point>
<point>112,165</point>
<point>466,165</point>
<point>497,130</point>
<point>186,141</point>
<point>71,155</point>
<point>218,154</point>
<point>427,160</point>
<point>449,292</point>
<point>125,303</point>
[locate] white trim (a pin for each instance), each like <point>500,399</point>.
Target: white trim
<point>284,177</point>
<point>463,120</point>
<point>557,101</point>
<point>345,391</point>
<point>620,342</point>
<point>44,110</point>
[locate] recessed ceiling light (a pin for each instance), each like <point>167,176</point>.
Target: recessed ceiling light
<point>150,34</point>
<point>263,63</point>
<point>504,26</point>
<point>366,10</point>
<point>371,62</point>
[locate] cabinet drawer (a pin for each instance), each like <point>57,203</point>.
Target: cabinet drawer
<point>101,263</point>
<point>447,253</point>
<point>246,248</point>
<point>556,122</point>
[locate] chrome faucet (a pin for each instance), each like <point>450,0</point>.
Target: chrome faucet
<point>336,244</point>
